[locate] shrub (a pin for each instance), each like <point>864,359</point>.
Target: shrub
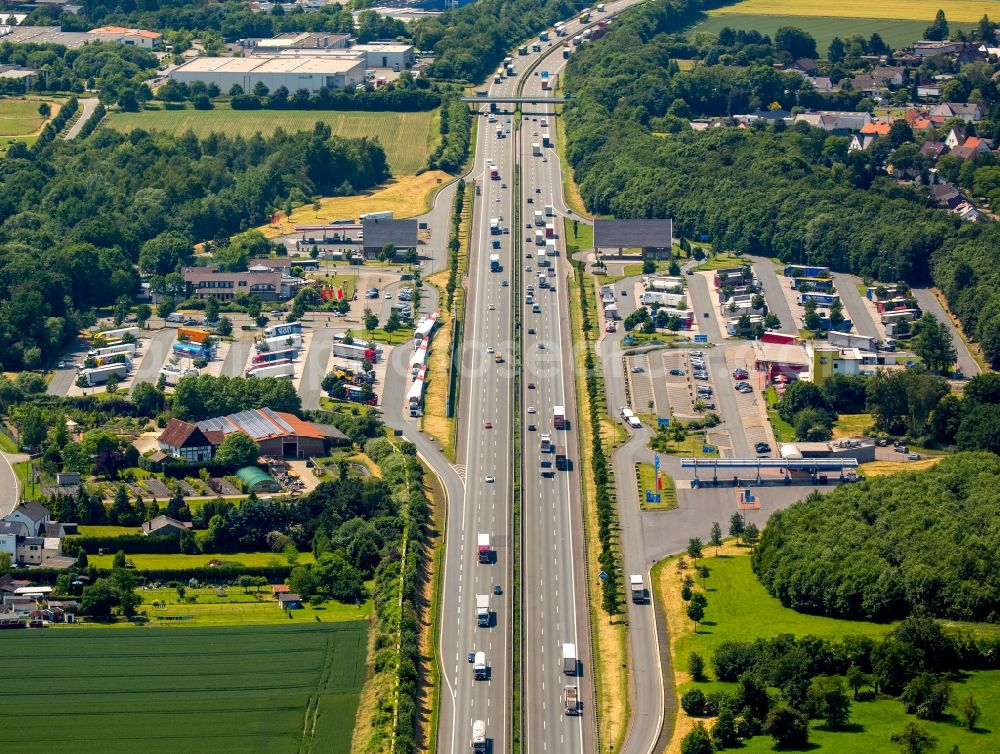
<point>693,702</point>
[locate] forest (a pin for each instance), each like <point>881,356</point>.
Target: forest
<point>793,193</point>
<point>922,542</point>
<point>74,219</point>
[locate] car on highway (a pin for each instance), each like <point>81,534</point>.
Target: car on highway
<point>762,447</point>
<point>538,190</point>
<point>504,283</point>
<point>531,386</point>
<point>490,349</point>
<point>371,293</point>
<point>531,410</point>
<point>487,424</point>
<point>531,427</point>
<point>497,589</point>
<point>531,331</point>
<point>624,292</point>
<point>472,656</point>
<point>697,353</point>
<point>541,346</point>
<point>531,200</point>
<point>676,373</point>
<point>490,479</point>
<point>492,308</point>
<point>503,185</point>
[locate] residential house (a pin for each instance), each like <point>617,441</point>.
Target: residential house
<point>10,533</point>
<point>58,530</point>
<point>925,48</point>
<point>30,551</point>
<point>33,515</point>
<point>928,90</point>
<point>968,211</point>
<point>933,149</point>
<point>875,129</point>
<point>822,83</point>
<point>946,195</point>
<point>206,282</point>
<point>805,65</point>
<point>860,142</point>
<point>878,80</point>
<point>973,146</point>
<point>9,585</point>
<point>967,111</point>
<point>971,53</point>
<point>830,120</point>
<point>955,137</point>
<point>148,40</point>
<point>164,526</point>
<point>185,441</point>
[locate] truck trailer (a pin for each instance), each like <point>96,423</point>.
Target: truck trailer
<point>278,370</point>
<point>357,352</point>
<point>559,417</point>
<point>279,342</point>
<point>571,700</point>
<point>479,667</point>
<point>483,610</point>
<point>849,340</point>
<point>100,375</point>
<point>485,553</point>
<point>288,328</point>
<point>638,588</point>
<point>569,658</point>
<point>536,149</point>
<point>121,332</point>
<point>479,741</point>
<point>128,349</point>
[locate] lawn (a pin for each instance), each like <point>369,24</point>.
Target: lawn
<point>19,117</point>
<point>740,609</point>
<point>957,11</point>
<point>407,196</point>
<point>408,138</point>
<point>579,236</point>
<point>692,445</point>
<point>720,261</point>
<point>210,690</point>
<point>852,425</point>
<point>647,481</point>
<point>896,33</point>
<point>178,561</point>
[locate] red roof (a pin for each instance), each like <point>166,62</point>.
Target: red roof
<point>881,129</point>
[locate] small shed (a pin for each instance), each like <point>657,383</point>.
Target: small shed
<point>256,479</point>
<point>290,601</point>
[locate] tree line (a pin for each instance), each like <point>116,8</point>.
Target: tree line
<point>72,224</point>
<point>892,546</point>
<point>794,193</point>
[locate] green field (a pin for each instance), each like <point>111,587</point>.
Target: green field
<point>408,138</point>
<point>896,33</point>
<point>957,11</point>
<point>740,609</point>
<point>285,688</point>
<point>19,117</point>
<point>176,561</point>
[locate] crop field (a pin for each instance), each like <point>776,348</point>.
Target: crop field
<point>408,138</point>
<point>956,11</point>
<point>896,33</point>
<point>285,688</point>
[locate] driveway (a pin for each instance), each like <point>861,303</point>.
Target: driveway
<point>929,303</point>
<point>87,107</point>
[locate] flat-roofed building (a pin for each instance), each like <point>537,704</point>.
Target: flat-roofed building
<point>653,237</point>
<point>225,286</point>
<point>311,73</point>
<point>302,41</point>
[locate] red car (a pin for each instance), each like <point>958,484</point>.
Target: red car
<point>487,425</point>
<point>740,374</point>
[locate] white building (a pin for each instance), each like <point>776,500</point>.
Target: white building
<point>395,55</point>
<point>293,72</point>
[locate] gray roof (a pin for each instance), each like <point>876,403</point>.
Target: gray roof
<point>399,233</point>
<point>34,510</point>
<point>17,528</point>
<point>622,234</point>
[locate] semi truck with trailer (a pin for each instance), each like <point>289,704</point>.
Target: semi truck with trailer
<point>849,340</point>
<point>479,740</point>
<point>483,610</point>
<point>539,219</point>
<point>277,370</point>
<point>100,375</point>
<point>128,349</point>
<point>546,446</point>
<point>111,336</point>
<point>561,462</point>
<point>544,36</point>
<point>569,663</point>
<point>571,700</point>
<point>495,263</point>
<point>485,553</point>
<point>268,357</point>
<point>172,375</point>
<point>536,149</point>
<point>638,588</point>
<point>357,352</point>
<point>382,215</point>
<point>559,417</point>
<point>192,334</point>
<point>279,342</point>
<point>549,210</point>
<point>479,667</point>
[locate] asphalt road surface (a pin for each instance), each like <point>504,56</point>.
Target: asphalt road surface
<point>929,304</point>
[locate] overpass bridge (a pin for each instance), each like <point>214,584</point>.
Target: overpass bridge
<point>523,100</point>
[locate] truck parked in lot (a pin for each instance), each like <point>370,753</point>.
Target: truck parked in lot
<point>638,588</point>
<point>288,328</point>
<point>127,349</point>
<point>357,352</point>
<point>100,375</point>
<point>571,700</point>
<point>279,342</point>
<point>383,215</point>
<point>112,336</point>
<point>569,658</point>
<point>849,340</point>
<point>483,610</point>
<point>485,553</point>
<point>279,370</point>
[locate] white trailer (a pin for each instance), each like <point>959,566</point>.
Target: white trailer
<point>483,610</point>
<point>128,349</point>
<point>539,219</point>
<point>479,742</point>
<point>279,343</point>
<point>120,333</point>
<point>571,700</point>
<point>569,658</point>
<point>100,375</point>
<point>172,375</point>
<point>536,149</point>
<point>549,211</point>
<point>638,588</point>
<point>849,340</point>
<point>383,215</point>
<point>479,667</point>
<point>278,369</point>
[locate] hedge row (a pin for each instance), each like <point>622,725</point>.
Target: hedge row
<point>54,126</point>
<point>130,544</point>
<point>93,121</point>
<point>223,574</point>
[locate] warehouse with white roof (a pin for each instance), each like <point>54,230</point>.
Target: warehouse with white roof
<point>293,73</point>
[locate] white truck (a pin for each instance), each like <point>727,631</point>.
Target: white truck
<point>279,370</point>
<point>539,219</point>
<point>125,348</point>
<point>383,215</point>
<point>113,335</point>
<point>279,343</point>
<point>100,375</point>
<point>549,210</point>
<point>479,741</point>
<point>546,442</point>
<point>569,658</point>
<point>571,700</point>
<point>172,375</point>
<point>853,340</point>
<point>536,149</point>
<point>485,554</point>
<point>479,669</point>
<point>483,610</point>
<point>638,588</point>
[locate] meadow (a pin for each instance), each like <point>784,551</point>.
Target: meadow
<point>740,609</point>
<point>19,117</point>
<point>408,138</point>
<point>896,33</point>
<point>179,561</point>
<point>285,688</point>
<point>956,11</point>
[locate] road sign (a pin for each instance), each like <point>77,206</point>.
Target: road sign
<point>661,422</point>
<point>652,497</point>
<point>603,576</point>
<point>707,448</point>
<point>701,339</point>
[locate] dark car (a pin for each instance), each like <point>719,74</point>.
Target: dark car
<point>676,372</point>
<point>497,589</point>
<point>531,427</point>
<point>762,447</point>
